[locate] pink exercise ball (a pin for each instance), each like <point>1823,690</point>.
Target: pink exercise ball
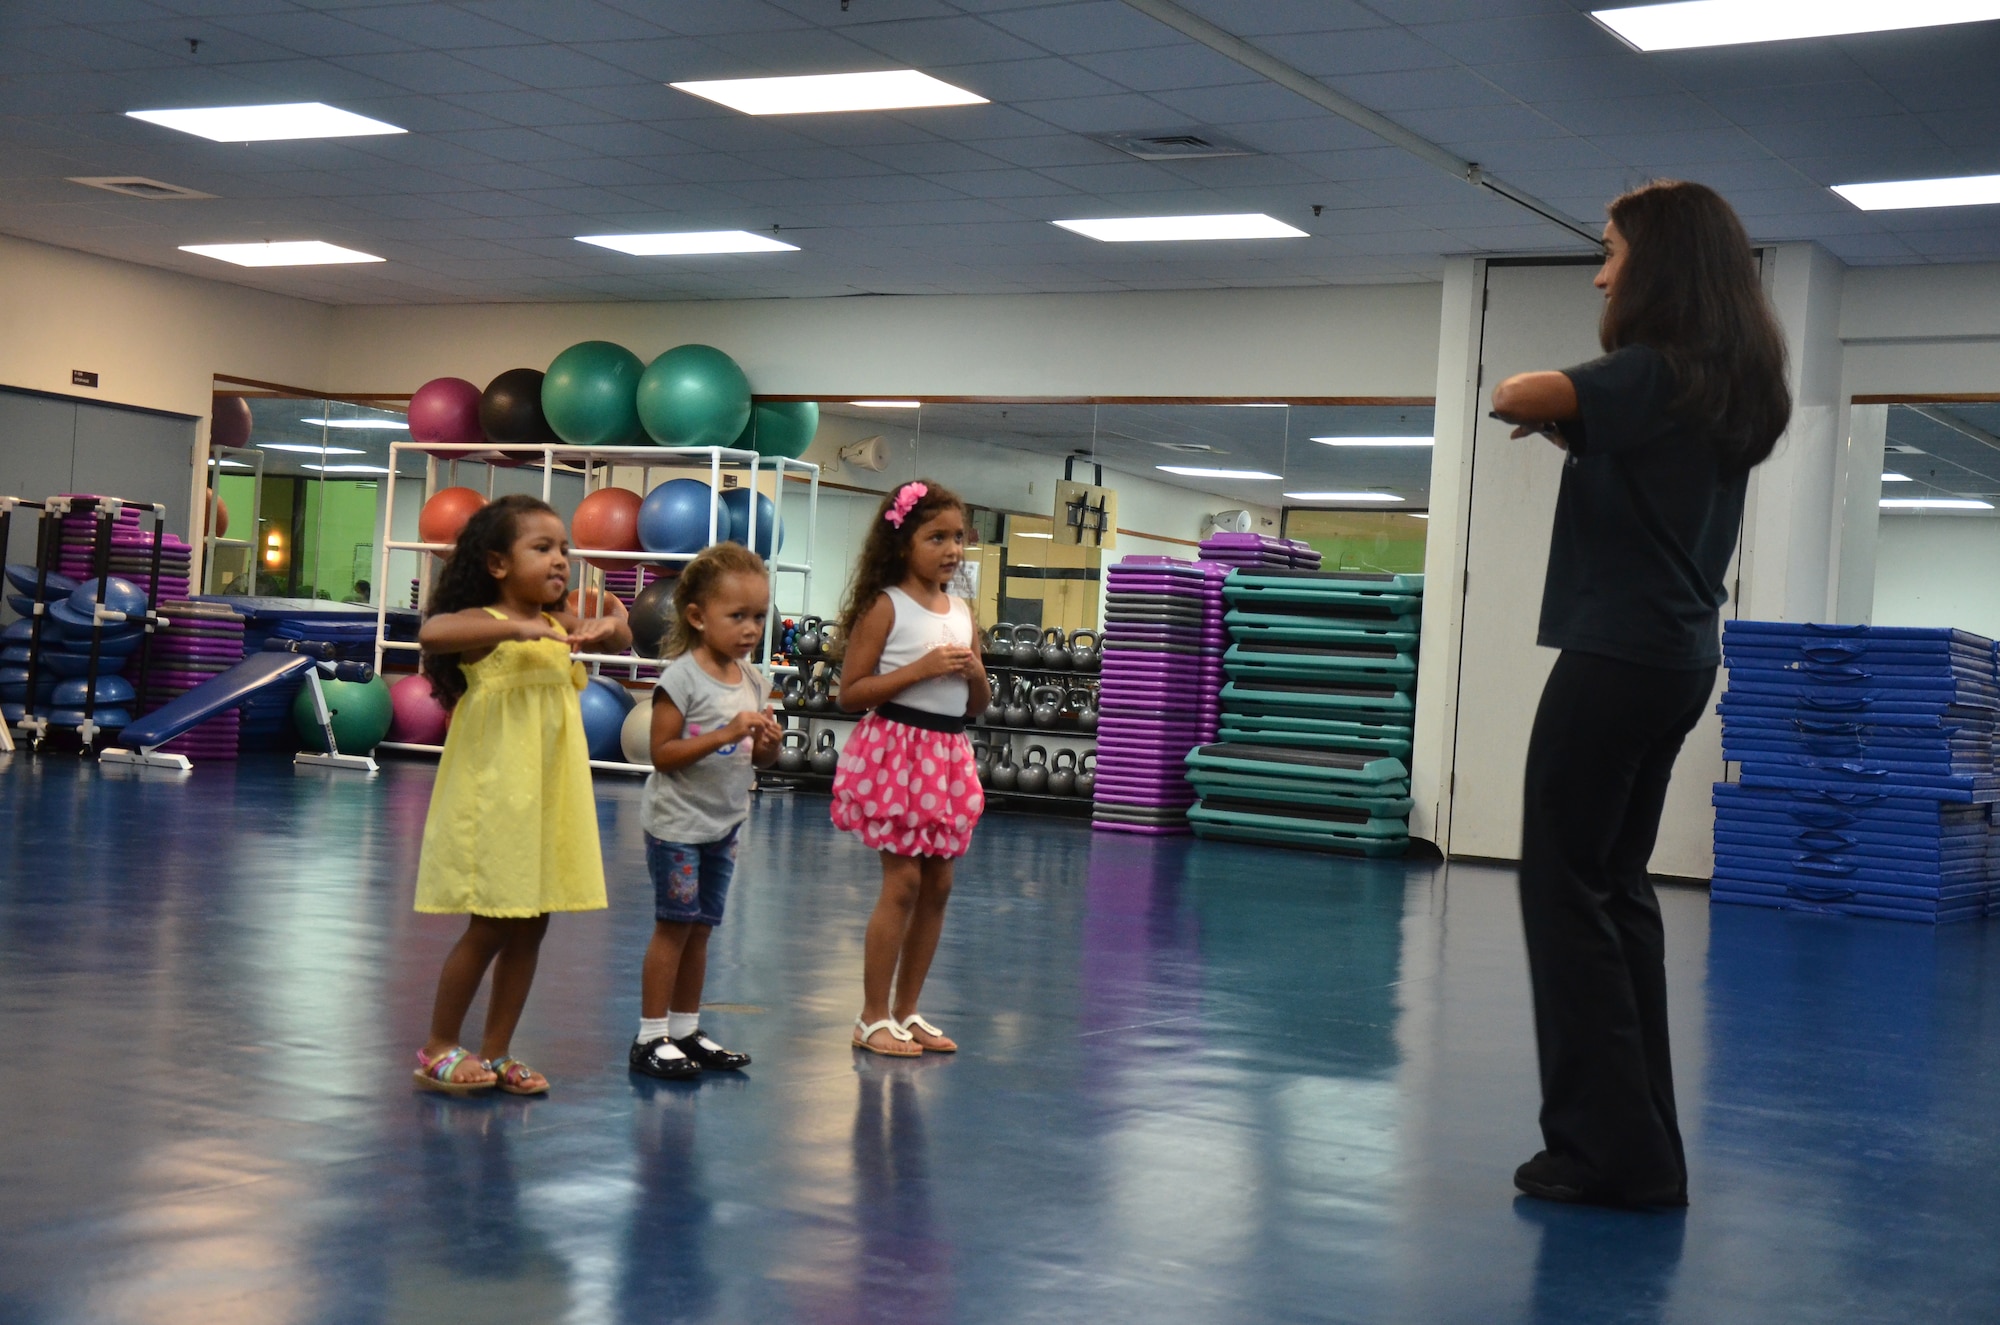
<point>443,410</point>
<point>419,718</point>
<point>229,422</point>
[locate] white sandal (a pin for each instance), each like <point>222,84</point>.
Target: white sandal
<point>864,1031</point>
<point>915,1019</point>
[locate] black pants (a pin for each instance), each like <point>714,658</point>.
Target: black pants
<point>1603,747</point>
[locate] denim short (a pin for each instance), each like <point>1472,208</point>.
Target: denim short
<point>691,880</point>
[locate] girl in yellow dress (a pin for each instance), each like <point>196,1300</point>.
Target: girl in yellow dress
<point>512,830</point>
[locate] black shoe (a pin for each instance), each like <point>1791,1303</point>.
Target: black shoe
<point>709,1054</point>
<point>1549,1177</point>
<point>645,1058</point>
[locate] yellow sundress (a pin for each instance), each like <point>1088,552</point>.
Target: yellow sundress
<point>512,829</point>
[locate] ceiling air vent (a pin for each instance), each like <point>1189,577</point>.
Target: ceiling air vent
<point>136,186</point>
<point>1182,145</point>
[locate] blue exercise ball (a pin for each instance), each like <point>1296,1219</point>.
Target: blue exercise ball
<point>674,517</point>
<point>603,719</point>
<point>120,595</point>
<point>737,502</point>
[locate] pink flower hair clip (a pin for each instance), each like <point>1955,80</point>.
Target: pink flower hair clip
<point>906,501</point>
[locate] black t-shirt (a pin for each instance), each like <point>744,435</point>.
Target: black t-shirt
<point>1645,523</point>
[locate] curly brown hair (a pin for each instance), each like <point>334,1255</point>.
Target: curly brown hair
<point>885,554</point>
<point>697,584</point>
<point>466,582</point>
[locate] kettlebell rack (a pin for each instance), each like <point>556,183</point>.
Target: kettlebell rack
<point>599,467</point>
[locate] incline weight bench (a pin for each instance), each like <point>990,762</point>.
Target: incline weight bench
<point>280,661</point>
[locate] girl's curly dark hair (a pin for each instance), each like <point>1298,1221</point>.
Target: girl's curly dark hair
<point>698,581</point>
<point>466,582</point>
<point>885,554</point>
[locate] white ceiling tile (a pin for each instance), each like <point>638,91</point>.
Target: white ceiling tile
<point>1086,25</point>
<point>572,20</point>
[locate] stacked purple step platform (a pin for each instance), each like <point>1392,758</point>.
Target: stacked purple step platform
<point>131,552</point>
<point>200,641</point>
<point>1246,550</point>
<point>1162,687</point>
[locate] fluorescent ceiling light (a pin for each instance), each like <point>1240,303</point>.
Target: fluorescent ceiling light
<point>309,450</point>
<point>1895,478</point>
<point>281,253</point>
<point>1692,23</point>
<point>1935,504</point>
<point>1343,496</point>
<point>263,124</point>
<point>814,94</point>
<point>1143,229</point>
<point>1420,515</point>
<point>689,241</point>
<point>384,425</point>
<point>1902,194</point>
<point>1375,441</point>
<point>1196,471</point>
<point>231,464</point>
<point>1025,534</point>
<point>348,469</point>
<point>888,404</point>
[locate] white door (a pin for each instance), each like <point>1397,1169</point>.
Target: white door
<point>1535,317</point>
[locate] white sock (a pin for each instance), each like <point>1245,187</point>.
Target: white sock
<point>653,1028</point>
<point>683,1024</point>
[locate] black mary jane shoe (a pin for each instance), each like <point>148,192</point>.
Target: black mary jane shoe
<point>1549,1177</point>
<point>712,1056</point>
<point>646,1060</point>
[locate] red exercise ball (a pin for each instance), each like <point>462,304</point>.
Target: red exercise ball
<point>445,410</point>
<point>445,514</point>
<point>418,717</point>
<point>607,521</point>
<point>229,421</point>
<point>221,516</point>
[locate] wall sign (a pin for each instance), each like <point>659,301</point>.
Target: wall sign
<point>77,377</point>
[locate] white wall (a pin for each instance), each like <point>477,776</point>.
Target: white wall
<point>1361,340</point>
<point>1938,570</point>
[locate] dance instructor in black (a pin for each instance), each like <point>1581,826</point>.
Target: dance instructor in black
<point>1661,434</point>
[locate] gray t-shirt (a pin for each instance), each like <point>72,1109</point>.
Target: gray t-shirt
<point>705,800</point>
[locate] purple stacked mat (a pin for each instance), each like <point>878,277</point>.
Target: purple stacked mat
<point>1248,550</point>
<point>1161,690</point>
<point>199,641</point>
<point>131,552</point>
<point>1304,555</point>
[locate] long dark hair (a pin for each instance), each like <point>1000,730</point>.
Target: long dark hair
<point>697,584</point>
<point>1689,290</point>
<point>885,553</point>
<point>466,581</point>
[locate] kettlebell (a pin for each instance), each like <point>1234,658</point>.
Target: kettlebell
<point>1055,650</point>
<point>1048,702</point>
<point>826,755</point>
<point>795,693</point>
<point>1027,646</point>
<point>817,698</point>
<point>1083,700</point>
<point>1086,774</point>
<point>1083,651</point>
<point>1003,775</point>
<point>1062,774</point>
<point>811,637</point>
<point>1017,713</point>
<point>792,753</point>
<point>982,760</point>
<point>1034,776</point>
<point>998,649</point>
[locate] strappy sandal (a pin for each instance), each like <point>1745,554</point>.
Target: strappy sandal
<point>865,1031</point>
<point>512,1072</point>
<point>435,1073</point>
<point>950,1046</point>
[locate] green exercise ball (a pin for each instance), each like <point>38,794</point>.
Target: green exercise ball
<point>590,394</point>
<point>694,395</point>
<point>780,428</point>
<point>361,712</point>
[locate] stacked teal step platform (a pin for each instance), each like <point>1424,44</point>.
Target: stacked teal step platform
<point>1316,712</point>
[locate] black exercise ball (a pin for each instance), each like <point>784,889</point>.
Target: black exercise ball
<point>510,409</point>
<point>652,616</point>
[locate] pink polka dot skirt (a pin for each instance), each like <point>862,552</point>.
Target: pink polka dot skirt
<point>907,791</point>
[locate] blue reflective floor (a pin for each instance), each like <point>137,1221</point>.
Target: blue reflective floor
<point>1201,1083</point>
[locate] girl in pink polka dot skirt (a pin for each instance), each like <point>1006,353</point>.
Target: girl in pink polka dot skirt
<point>906,784</point>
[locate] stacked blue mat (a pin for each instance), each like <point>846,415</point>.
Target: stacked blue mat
<point>1316,715</point>
<point>1867,775</point>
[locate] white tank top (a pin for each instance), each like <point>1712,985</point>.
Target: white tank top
<point>917,630</point>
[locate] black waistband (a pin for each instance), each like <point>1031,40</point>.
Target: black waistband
<point>924,718</point>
